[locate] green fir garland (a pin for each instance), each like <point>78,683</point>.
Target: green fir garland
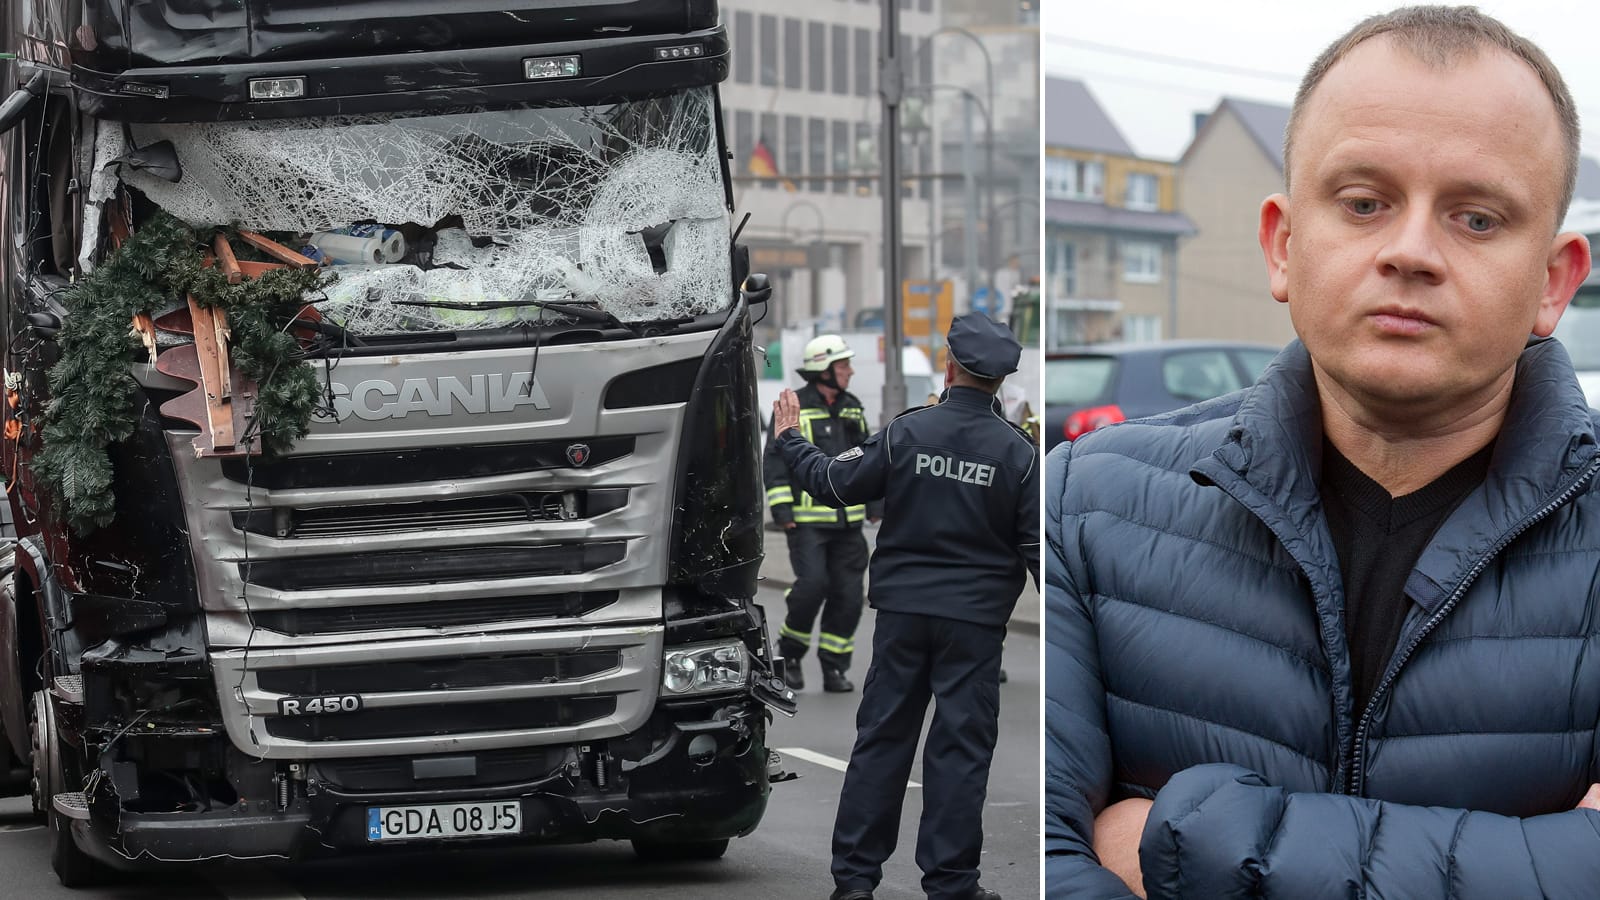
<point>92,389</point>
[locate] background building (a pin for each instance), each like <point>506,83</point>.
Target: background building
<point>1234,162</point>
<point>802,113</point>
<point>1111,228</point>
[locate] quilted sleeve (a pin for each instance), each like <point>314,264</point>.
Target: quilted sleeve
<point>1077,748</point>
<point>1220,831</point>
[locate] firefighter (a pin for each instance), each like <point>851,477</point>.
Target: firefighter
<point>960,531</point>
<point>826,547</point>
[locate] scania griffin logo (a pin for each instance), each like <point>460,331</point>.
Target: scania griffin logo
<point>376,399</point>
<point>578,454</point>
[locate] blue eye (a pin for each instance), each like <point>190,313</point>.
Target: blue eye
<point>1478,222</point>
<point>1363,206</point>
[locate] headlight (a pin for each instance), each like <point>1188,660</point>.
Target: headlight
<point>703,668</point>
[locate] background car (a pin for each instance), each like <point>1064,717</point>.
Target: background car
<point>1087,387</point>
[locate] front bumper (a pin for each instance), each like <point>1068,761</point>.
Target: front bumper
<point>696,772</point>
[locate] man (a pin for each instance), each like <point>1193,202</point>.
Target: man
<point>960,528</point>
<point>1335,625</point>
<point>826,548</point>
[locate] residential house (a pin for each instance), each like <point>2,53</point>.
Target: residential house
<point>1234,162</point>
<point>1111,227</point>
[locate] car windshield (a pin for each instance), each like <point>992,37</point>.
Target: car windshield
<point>448,221</point>
<point>1077,380</point>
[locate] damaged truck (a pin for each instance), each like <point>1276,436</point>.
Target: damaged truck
<point>380,430</point>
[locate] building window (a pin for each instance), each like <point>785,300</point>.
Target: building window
<point>1141,262</point>
<point>769,51</point>
<point>793,58</point>
<point>1074,179</point>
<point>817,150</point>
<point>767,133</point>
<point>841,155</point>
<point>841,59</point>
<point>1141,329</point>
<point>817,57</point>
<point>794,146</point>
<point>744,48</point>
<point>1063,269</point>
<point>864,56</point>
<point>744,139</point>
<point>1141,192</point>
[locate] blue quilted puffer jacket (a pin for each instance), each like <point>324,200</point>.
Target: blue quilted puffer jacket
<point>1196,655</point>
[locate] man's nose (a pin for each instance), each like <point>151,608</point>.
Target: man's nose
<point>1411,246</point>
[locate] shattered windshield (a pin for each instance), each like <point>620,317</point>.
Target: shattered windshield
<point>466,220</point>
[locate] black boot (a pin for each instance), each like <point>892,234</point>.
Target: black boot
<point>835,682</point>
<point>982,893</point>
<point>842,894</point>
<point>792,675</point>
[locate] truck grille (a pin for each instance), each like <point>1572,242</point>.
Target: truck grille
<point>449,673</point>
<point>402,567</point>
<point>437,614</point>
<point>512,508</point>
<point>417,466</point>
<point>402,722</point>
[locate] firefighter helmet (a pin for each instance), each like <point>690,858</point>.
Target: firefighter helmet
<point>823,351</point>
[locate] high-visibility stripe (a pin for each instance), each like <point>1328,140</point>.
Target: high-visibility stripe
<point>780,494</point>
<point>855,513</point>
<point>803,637</point>
<point>815,515</point>
<point>834,643</point>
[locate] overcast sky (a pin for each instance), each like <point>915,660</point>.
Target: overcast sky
<point>1153,63</point>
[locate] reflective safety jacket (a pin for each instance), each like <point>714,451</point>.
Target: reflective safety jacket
<point>961,517</point>
<point>833,429</point>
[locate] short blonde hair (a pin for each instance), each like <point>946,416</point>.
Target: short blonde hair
<point>1441,36</point>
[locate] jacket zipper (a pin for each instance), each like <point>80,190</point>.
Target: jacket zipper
<point>1357,770</point>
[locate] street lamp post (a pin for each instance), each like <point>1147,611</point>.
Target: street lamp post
<point>813,276</point>
<point>988,81</point>
<point>891,82</point>
<point>988,130</point>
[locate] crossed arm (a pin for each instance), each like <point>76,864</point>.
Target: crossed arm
<point>1221,831</point>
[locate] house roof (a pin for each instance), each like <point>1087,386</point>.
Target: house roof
<point>1083,214</point>
<point>1264,122</point>
<point>1074,119</point>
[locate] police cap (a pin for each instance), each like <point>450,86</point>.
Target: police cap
<point>983,346</point>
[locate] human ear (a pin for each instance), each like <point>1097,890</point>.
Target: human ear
<point>1566,268</point>
<point>1273,233</point>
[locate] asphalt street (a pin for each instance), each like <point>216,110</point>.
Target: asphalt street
<point>786,857</point>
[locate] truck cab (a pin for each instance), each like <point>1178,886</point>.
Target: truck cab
<point>457,545</point>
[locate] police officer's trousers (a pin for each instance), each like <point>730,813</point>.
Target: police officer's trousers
<point>829,565</point>
<point>915,658</point>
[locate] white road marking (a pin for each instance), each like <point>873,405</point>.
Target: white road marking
<point>252,883</point>
<point>824,760</point>
<point>10,829</point>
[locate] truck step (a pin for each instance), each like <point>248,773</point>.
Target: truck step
<point>72,804</point>
<point>68,689</point>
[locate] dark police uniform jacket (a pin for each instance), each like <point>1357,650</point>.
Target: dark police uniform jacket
<point>961,514</point>
<point>834,429</point>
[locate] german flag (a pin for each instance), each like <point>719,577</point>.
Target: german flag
<point>762,164</point>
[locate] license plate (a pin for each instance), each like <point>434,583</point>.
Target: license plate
<point>391,823</point>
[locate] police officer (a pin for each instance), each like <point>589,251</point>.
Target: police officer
<point>960,527</point>
<point>826,548</point>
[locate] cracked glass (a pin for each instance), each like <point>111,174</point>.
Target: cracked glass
<point>467,219</point>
